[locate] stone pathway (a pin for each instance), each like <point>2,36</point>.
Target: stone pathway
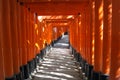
<point>58,65</point>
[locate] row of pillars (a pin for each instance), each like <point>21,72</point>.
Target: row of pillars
<point>95,34</point>
<point>22,37</point>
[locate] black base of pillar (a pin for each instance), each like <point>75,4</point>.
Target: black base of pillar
<point>22,71</point>
<point>96,75</point>
<point>11,78</point>
<point>31,67</point>
<point>90,72</point>
<point>104,77</point>
<point>86,69</point>
<point>35,62</point>
<point>19,76</point>
<point>26,71</point>
<point>42,54</point>
<point>38,57</point>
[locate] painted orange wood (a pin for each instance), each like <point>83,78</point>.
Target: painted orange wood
<point>6,39</point>
<point>107,36</point>
<point>91,9</point>
<point>32,34</point>
<point>98,35</point>
<point>83,33</point>
<point>79,34</point>
<point>37,38</point>
<point>57,8</point>
<point>2,75</point>
<point>19,32</point>
<point>92,31</point>
<point>115,42</point>
<point>23,34</point>
<point>87,37</point>
<point>14,36</point>
<point>27,42</point>
<point>1,61</point>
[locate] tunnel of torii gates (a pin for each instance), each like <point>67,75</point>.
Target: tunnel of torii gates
<point>29,26</point>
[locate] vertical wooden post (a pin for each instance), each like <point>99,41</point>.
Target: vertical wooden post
<point>83,33</point>
<point>1,59</point>
<point>6,40</point>
<point>79,32</point>
<point>115,41</point>
<point>27,33</point>
<point>2,75</point>
<point>88,54</point>
<point>14,39</point>
<point>23,33</point>
<point>77,47</point>
<point>31,34</point>
<point>107,36</point>
<point>24,41</point>
<point>98,35</point>
<point>92,31</point>
<point>36,32</point>
<point>19,32</point>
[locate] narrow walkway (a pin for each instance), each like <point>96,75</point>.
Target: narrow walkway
<point>58,64</point>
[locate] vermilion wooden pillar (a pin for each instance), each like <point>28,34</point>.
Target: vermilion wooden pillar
<point>73,29</point>
<point>32,34</point>
<point>36,32</point>
<point>79,33</point>
<point>14,36</point>
<point>40,35</point>
<point>49,34</point>
<point>28,33</point>
<point>87,20</point>
<point>98,35</point>
<point>71,35</point>
<point>58,32</point>
<point>92,33</point>
<point>35,37</point>
<point>77,45</point>
<point>74,35</point>
<point>83,33</point>
<point>1,54</point>
<point>23,34</point>
<point>19,32</point>
<point>115,41</point>
<point>107,36</point>
<point>1,59</point>
<point>6,40</point>
<point>85,29</point>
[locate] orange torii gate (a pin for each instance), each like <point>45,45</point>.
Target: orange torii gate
<point>94,35</point>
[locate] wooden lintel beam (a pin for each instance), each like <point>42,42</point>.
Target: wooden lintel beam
<point>61,25</point>
<point>57,20</point>
<point>55,8</point>
<point>37,1</point>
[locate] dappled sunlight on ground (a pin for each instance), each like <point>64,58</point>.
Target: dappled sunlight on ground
<point>58,65</point>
